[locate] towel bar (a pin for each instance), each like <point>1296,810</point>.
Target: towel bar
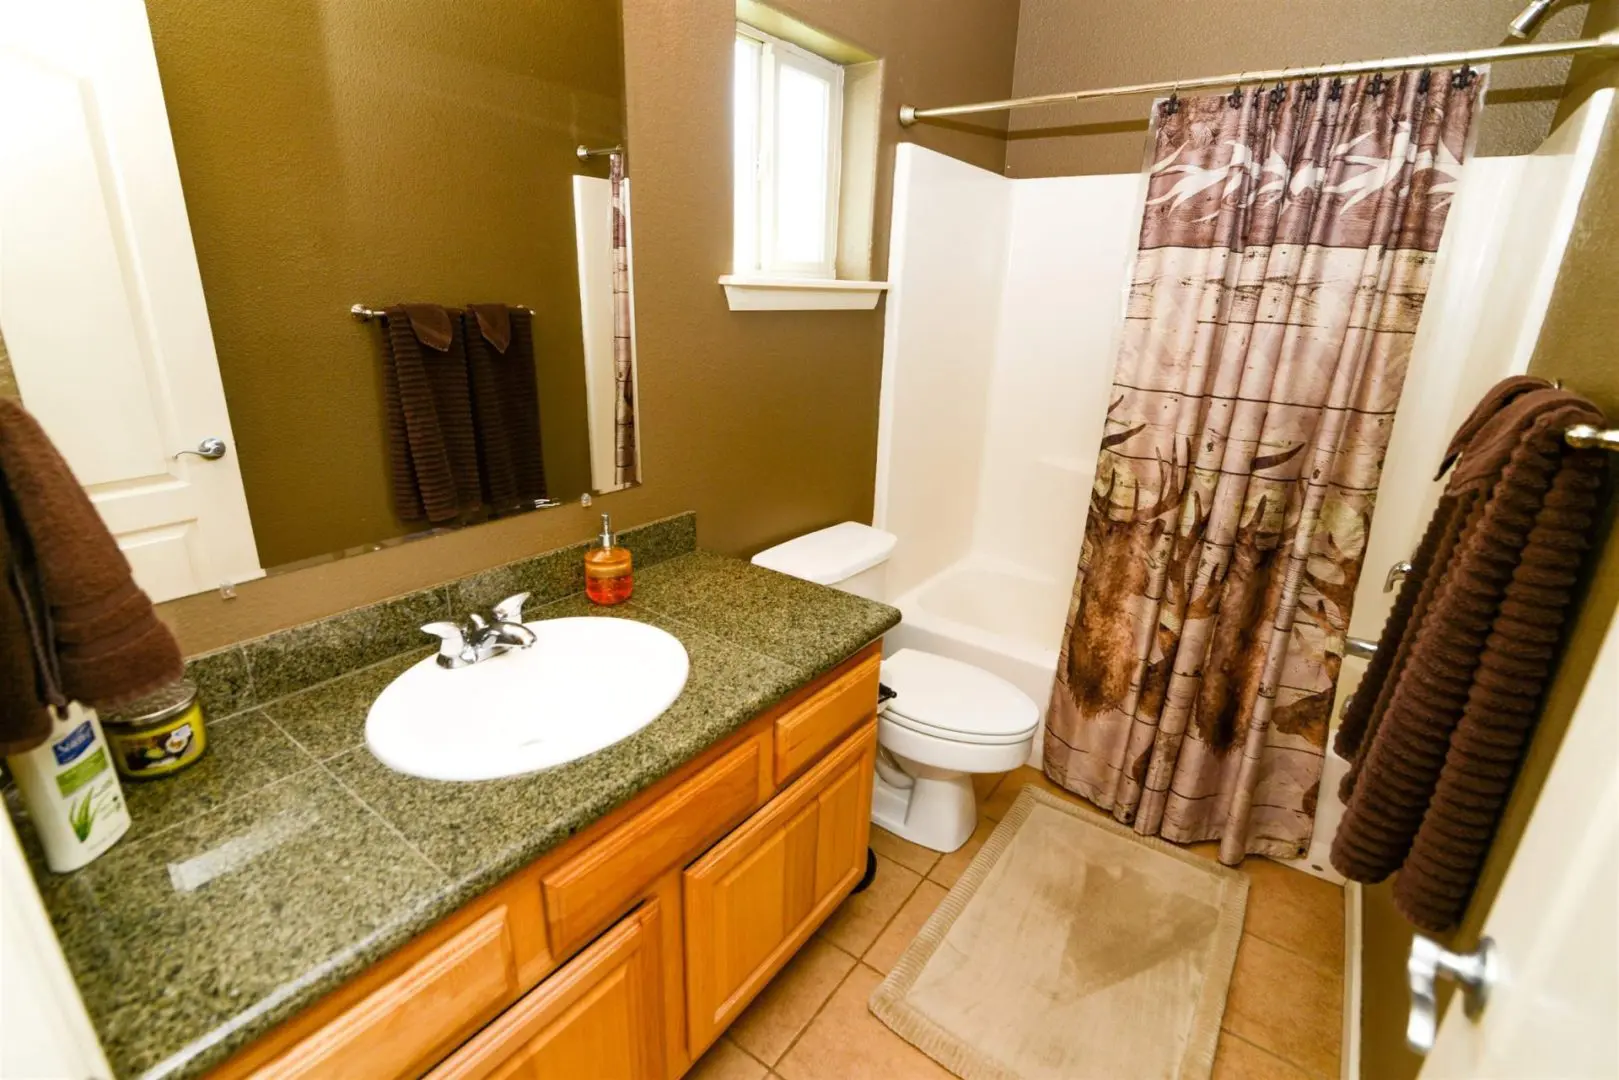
<point>366,314</point>
<point>1586,437</point>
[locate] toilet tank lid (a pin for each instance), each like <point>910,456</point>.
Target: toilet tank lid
<point>828,556</point>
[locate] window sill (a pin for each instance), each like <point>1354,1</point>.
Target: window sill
<point>749,293</point>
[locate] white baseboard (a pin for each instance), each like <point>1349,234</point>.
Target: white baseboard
<point>1350,1057</point>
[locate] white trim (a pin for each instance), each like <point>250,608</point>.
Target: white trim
<point>749,292</point>
<point>1349,1057</point>
<point>44,1029</point>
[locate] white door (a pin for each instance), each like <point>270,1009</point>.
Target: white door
<point>1553,1010</point>
<point>100,299</point>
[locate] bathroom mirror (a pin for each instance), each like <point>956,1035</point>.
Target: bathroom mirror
<point>198,196</point>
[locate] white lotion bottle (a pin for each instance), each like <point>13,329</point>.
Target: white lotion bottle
<point>72,790</point>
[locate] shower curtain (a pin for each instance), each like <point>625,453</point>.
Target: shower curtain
<point>1286,246</point>
<point>625,467</point>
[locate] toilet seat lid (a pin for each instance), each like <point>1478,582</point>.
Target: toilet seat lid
<point>953,700</point>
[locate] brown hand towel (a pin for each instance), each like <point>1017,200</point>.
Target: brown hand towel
<point>1448,704</point>
<point>24,723</point>
<point>505,404</point>
<point>433,449</point>
<point>92,622</point>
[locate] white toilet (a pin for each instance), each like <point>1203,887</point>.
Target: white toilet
<point>947,720</point>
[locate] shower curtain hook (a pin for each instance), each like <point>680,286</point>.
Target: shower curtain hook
<point>1236,91</point>
<point>1173,104</point>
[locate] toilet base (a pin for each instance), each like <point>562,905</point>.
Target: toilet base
<point>938,810</point>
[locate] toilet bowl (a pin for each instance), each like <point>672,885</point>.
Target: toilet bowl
<point>946,721</point>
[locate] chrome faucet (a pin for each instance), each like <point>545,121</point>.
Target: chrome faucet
<point>482,634</point>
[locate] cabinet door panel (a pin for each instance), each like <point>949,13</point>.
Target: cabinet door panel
<point>600,1016</point>
<point>757,896</point>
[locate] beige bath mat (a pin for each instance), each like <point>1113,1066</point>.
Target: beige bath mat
<point>1071,948</point>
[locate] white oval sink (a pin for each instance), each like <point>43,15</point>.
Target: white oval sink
<point>584,684</point>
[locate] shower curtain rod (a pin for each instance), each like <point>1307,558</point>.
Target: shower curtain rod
<point>1603,45</point>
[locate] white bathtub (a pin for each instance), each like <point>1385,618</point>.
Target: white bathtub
<point>998,616</point>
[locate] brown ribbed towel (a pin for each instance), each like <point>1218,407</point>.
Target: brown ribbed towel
<point>1437,730</point>
<point>505,404</point>
<point>432,448</point>
<point>83,612</point>
<point>24,723</point>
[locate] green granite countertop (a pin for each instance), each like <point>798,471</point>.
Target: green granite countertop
<point>289,859</point>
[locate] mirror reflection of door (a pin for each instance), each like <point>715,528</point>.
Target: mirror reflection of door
<point>196,197</point>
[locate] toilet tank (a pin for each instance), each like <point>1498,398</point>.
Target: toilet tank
<point>851,557</point>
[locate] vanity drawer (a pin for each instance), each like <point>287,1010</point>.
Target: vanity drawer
<point>588,892</point>
<point>408,1023</point>
<point>600,1016</point>
<point>808,729</point>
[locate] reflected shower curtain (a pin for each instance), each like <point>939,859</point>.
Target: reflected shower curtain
<point>625,467</point>
<point>1286,247</point>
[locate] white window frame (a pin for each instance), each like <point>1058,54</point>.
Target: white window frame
<point>763,260</point>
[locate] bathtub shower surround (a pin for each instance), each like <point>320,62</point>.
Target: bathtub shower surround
<point>1285,252</point>
<point>1005,304</point>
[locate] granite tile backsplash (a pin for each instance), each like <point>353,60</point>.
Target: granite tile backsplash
<point>288,661</point>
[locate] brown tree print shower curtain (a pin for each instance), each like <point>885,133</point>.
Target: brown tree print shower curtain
<point>1287,242</point>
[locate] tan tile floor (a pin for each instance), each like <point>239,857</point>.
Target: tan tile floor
<point>1282,1020</point>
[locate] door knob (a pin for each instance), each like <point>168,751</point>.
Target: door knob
<point>1429,962</point>
<point>212,449</point>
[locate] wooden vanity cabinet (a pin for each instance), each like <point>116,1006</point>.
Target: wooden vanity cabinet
<point>754,899</point>
<point>600,1016</point>
<point>715,876</point>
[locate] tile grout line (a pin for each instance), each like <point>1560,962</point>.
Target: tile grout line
<point>819,1009</point>
<point>1306,1070</point>
<point>232,801</point>
<point>1322,968</point>
<point>390,826</point>
<point>859,961</point>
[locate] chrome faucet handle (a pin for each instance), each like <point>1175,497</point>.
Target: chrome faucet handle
<point>510,610</point>
<point>452,648</point>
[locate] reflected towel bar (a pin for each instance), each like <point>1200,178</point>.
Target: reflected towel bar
<point>1586,437</point>
<point>585,153</point>
<point>366,314</point>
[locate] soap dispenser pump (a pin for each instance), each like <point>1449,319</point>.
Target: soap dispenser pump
<point>608,576</point>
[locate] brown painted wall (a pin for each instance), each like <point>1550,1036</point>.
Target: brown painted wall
<point>1576,346</point>
<point>764,423</point>
<point>1065,45</point>
<point>342,153</point>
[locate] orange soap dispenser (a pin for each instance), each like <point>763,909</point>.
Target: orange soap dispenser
<point>608,578</point>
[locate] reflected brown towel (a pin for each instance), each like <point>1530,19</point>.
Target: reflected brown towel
<point>505,404</point>
<point>71,585</point>
<point>432,448</point>
<point>24,723</point>
<point>1446,708</point>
